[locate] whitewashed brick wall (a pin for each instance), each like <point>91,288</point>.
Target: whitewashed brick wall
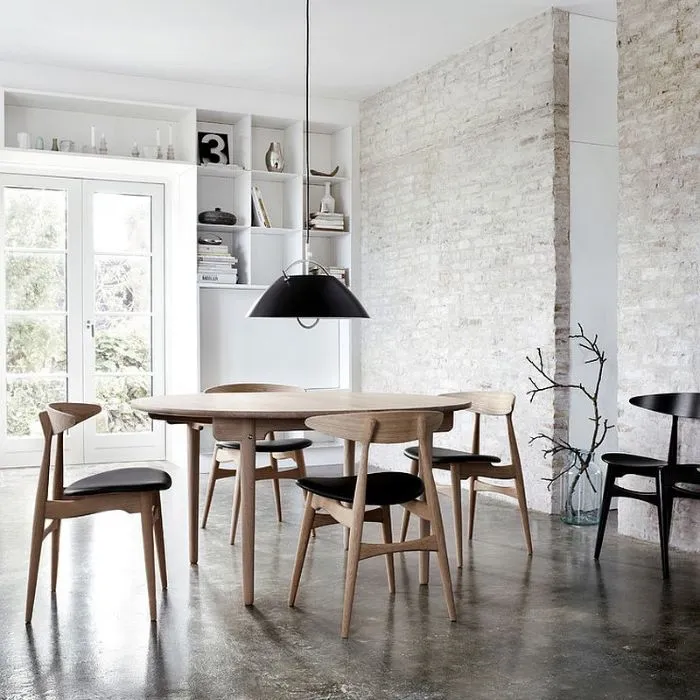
<point>465,231</point>
<point>659,236</point>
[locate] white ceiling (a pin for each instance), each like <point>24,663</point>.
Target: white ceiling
<point>358,47</point>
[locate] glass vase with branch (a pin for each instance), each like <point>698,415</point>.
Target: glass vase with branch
<point>581,477</point>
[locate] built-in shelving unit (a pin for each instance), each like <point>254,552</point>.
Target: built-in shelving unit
<point>231,346</point>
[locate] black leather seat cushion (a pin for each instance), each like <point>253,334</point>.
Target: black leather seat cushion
<point>127,480</point>
<point>444,456</point>
<point>630,461</point>
<point>286,445</point>
<point>383,488</point>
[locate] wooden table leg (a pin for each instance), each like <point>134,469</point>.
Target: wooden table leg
<point>193,487</point>
<point>247,478</point>
<point>348,470</point>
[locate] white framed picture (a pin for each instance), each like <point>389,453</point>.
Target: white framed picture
<point>214,143</point>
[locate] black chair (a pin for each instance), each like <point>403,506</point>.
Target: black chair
<point>672,480</point>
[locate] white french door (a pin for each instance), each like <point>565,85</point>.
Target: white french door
<point>81,297</point>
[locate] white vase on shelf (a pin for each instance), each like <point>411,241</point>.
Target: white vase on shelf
<point>327,201</point>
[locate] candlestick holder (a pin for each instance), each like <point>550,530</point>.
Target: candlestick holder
<point>170,155</point>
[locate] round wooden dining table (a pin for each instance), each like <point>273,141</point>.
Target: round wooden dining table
<point>246,417</point>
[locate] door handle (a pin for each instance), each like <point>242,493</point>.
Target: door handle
<point>90,326</point>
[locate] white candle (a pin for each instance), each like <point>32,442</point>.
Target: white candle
<point>157,137</point>
<point>170,134</point>
<point>92,136</point>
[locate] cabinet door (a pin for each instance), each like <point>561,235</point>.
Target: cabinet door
<point>122,316</point>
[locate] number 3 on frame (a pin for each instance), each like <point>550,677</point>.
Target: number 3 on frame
<point>213,148</point>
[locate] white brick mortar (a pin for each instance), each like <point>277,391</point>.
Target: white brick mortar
<point>465,231</point>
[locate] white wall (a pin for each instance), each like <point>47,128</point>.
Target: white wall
<point>206,97</point>
<point>594,187</point>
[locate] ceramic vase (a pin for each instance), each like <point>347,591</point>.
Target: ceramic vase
<point>274,161</point>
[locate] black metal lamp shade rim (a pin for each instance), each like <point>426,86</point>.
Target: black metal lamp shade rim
<point>308,296</point>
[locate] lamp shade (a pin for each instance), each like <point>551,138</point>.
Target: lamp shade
<point>308,296</point>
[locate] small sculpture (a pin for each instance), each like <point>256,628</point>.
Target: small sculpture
<point>333,173</point>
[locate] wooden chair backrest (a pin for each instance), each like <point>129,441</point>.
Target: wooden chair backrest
<point>65,415</point>
<point>55,420</point>
<point>382,427</point>
<point>492,403</point>
<point>377,426</point>
<point>244,387</point>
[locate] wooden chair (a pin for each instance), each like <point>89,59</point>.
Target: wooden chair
<point>134,490</point>
<point>278,449</point>
<point>473,465</point>
<point>671,479</point>
<point>354,500</point>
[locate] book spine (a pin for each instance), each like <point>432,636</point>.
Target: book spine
<point>259,206</point>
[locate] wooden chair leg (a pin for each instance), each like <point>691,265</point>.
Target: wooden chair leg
<point>301,468</point>
<point>524,515</point>
<point>610,477</point>
<point>457,511</point>
<point>55,544</point>
<point>213,476</point>
<point>34,557</point>
<point>663,531</point>
<point>304,533</point>
<point>472,507</point>
<point>236,510</point>
<point>160,540</point>
<point>353,561</point>
<point>147,532</point>
<point>407,514</point>
<point>276,488</point>
<point>386,531</point>
<point>431,498</point>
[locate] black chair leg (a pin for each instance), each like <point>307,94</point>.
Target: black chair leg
<point>610,477</point>
<point>661,506</point>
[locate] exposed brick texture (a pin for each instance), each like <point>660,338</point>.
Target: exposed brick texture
<point>465,231</point>
<point>659,236</point>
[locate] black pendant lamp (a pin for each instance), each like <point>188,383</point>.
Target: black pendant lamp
<point>314,296</point>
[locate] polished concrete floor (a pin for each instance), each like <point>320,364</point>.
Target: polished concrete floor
<point>554,626</point>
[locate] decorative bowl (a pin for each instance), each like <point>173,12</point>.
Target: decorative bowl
<point>221,218</point>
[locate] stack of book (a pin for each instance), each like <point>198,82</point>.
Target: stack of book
<point>327,222</point>
<point>215,264</point>
<point>340,273</point>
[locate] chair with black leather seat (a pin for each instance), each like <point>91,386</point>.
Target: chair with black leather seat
<point>278,449</point>
<point>473,465</point>
<point>133,489</point>
<point>671,480</point>
<point>354,500</point>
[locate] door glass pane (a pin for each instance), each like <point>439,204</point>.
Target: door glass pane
<point>35,218</point>
<point>123,309</point>
<point>34,316</point>
<point>114,394</point>
<point>26,398</point>
<point>35,345</point>
<point>35,282</point>
<point>123,344</point>
<point>122,283</point>
<point>122,223</point>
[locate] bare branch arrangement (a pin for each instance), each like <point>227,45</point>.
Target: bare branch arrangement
<point>580,458</point>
